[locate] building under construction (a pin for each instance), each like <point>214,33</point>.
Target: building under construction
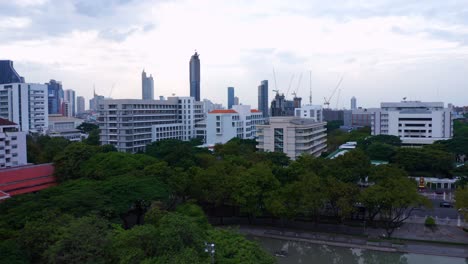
<point>282,107</point>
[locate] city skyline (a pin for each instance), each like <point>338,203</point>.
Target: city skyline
<point>385,51</point>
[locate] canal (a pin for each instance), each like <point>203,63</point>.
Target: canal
<point>302,252</point>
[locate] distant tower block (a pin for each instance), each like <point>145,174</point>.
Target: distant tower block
<point>353,103</point>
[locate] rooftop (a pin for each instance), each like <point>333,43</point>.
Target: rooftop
<point>6,122</point>
<point>223,111</point>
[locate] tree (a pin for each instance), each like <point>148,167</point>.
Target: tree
<point>350,167</point>
<point>86,127</point>
<point>340,196</point>
<point>461,196</point>
<point>423,161</point>
<point>382,139</point>
<point>382,172</point>
<point>68,164</point>
<point>176,153</point>
<point>380,151</point>
<point>85,240</point>
<point>253,187</point>
<point>93,138</point>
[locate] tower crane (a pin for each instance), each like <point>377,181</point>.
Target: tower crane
<point>327,101</point>
<point>111,90</point>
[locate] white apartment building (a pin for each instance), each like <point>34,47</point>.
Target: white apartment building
<point>63,126</point>
<point>293,136</point>
<point>313,112</point>
<point>240,121</point>
<point>416,123</point>
<point>26,105</point>
<point>12,145</point>
<point>131,124</point>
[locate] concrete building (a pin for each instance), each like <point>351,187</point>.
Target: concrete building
<point>70,97</point>
<point>80,105</point>
<point>416,123</point>
<point>263,98</point>
<point>195,76</point>
<point>95,101</point>
<point>8,73</point>
<point>333,115</point>
<point>357,118</point>
<point>25,104</point>
<point>230,97</point>
<point>240,121</point>
<point>131,124</point>
<point>209,106</point>
<point>12,145</point>
<point>353,103</point>
<point>314,112</point>
<point>147,86</point>
<point>55,96</point>
<point>293,136</point>
<point>236,100</point>
<point>63,126</point>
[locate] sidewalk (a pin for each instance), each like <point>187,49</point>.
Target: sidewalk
<point>418,247</point>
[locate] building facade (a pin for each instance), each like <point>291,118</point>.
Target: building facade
<point>55,96</point>
<point>263,98</point>
<point>95,101</point>
<point>230,97</point>
<point>353,103</point>
<point>80,104</point>
<point>195,76</point>
<point>70,97</point>
<point>131,124</point>
<point>416,123</point>
<point>63,126</point>
<point>282,107</point>
<point>147,86</point>
<point>314,112</point>
<point>224,125</point>
<point>25,104</point>
<point>292,136</point>
<point>8,73</point>
<point>12,145</point>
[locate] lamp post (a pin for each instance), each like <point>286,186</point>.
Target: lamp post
<point>210,249</point>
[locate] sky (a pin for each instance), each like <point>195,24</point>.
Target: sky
<point>384,50</point>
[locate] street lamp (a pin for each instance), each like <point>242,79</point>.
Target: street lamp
<point>210,249</point>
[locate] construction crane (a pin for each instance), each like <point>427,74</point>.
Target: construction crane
<point>327,101</point>
<point>290,83</point>
<point>298,85</point>
<point>111,90</point>
<point>276,91</point>
<point>338,98</point>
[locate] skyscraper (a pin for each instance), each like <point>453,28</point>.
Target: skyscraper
<point>353,103</point>
<point>147,86</point>
<point>195,77</point>
<point>71,99</point>
<point>230,92</point>
<point>263,98</point>
<point>8,73</point>
<point>55,96</point>
<point>80,104</point>
<point>236,101</point>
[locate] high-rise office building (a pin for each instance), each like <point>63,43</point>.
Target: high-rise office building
<point>80,104</point>
<point>236,100</point>
<point>263,98</point>
<point>353,103</point>
<point>55,96</point>
<point>147,86</point>
<point>26,105</point>
<point>71,99</point>
<point>195,76</point>
<point>8,73</point>
<point>95,101</point>
<point>230,92</point>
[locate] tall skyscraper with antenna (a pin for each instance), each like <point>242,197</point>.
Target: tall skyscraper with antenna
<point>195,76</point>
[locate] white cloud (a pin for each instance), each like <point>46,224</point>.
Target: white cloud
<point>14,22</point>
<point>241,42</point>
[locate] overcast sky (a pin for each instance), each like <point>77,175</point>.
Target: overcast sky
<point>385,50</point>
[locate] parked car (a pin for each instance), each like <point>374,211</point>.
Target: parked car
<point>446,205</point>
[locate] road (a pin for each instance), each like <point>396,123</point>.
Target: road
<point>436,210</point>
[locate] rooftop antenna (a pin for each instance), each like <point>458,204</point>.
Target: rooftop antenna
<point>310,87</point>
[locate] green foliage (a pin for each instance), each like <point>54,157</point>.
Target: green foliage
<point>84,240</point>
<point>176,153</point>
<point>236,147</point>
<point>87,127</point>
<point>93,138</point>
<point>333,125</point>
<point>380,151</point>
<point>419,161</point>
<point>43,149</point>
<point>461,196</point>
<point>382,139</point>
<point>11,253</point>
<point>104,165</point>
<point>232,248</point>
<point>430,222</point>
<point>68,164</point>
<point>382,172</point>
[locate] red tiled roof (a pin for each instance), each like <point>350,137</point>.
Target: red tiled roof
<point>6,122</point>
<point>223,111</point>
<point>255,111</point>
